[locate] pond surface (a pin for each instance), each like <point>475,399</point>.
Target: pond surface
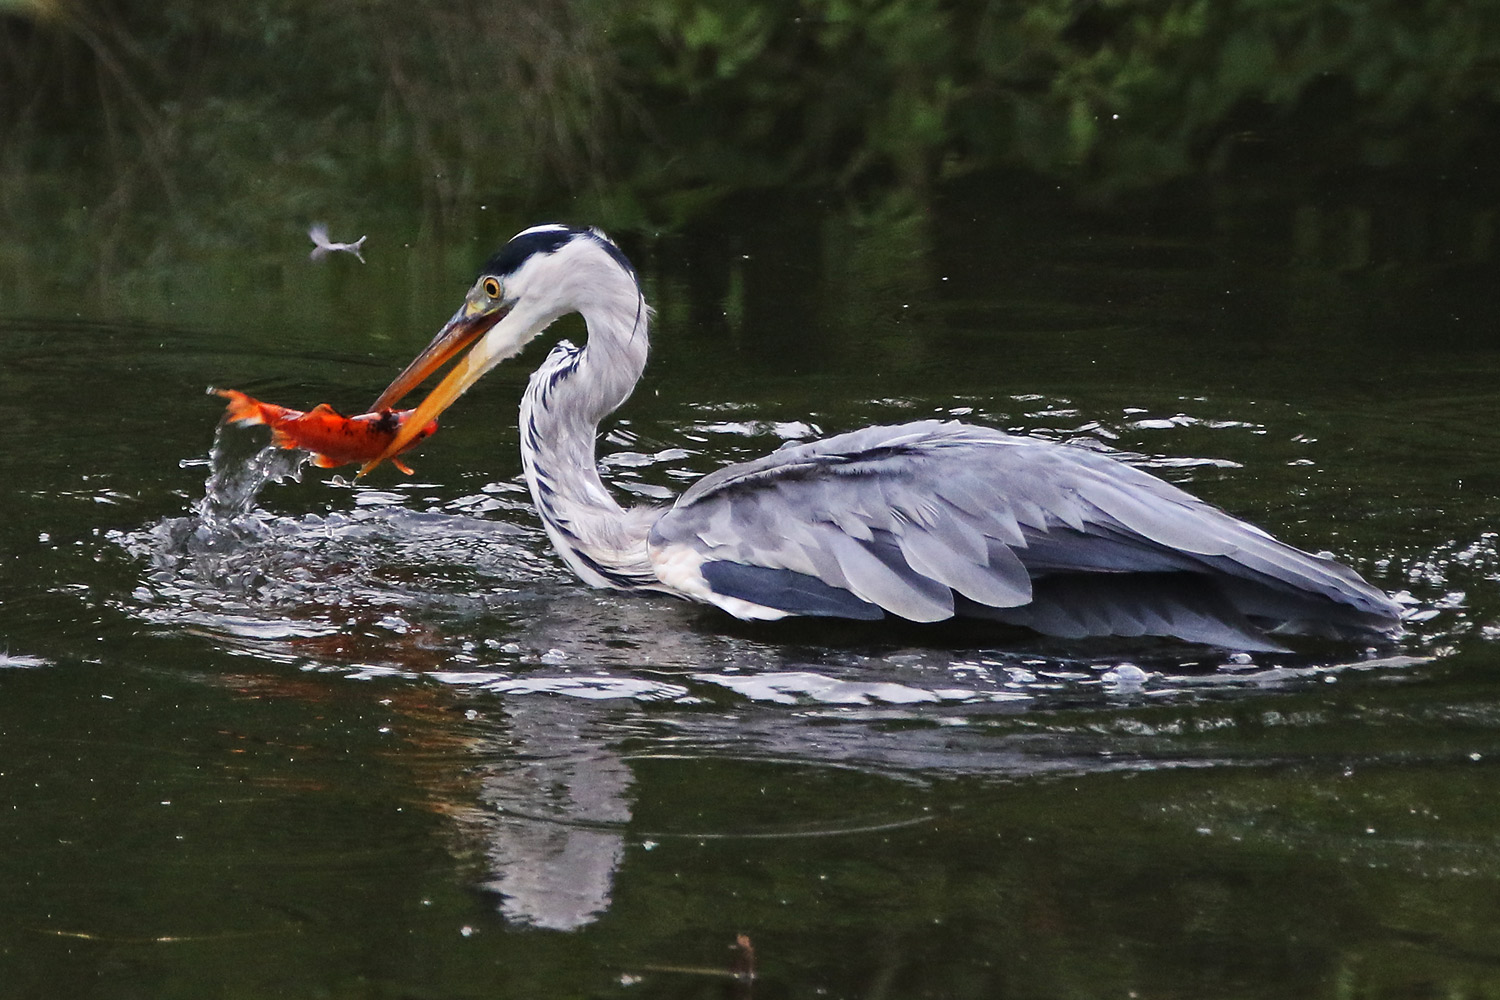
<point>374,740</point>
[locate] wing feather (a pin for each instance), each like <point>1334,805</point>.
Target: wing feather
<point>907,517</point>
<point>877,580</point>
<point>999,581</point>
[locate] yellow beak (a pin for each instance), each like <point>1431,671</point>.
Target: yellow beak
<point>464,329</point>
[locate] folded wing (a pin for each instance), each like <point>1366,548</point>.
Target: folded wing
<point>934,519</point>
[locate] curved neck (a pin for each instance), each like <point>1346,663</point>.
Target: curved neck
<point>567,397</point>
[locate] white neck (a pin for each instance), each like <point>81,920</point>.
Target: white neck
<point>573,390</point>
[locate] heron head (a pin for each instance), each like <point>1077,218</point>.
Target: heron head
<point>528,283</point>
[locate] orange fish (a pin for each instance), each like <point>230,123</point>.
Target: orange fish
<point>333,438</point>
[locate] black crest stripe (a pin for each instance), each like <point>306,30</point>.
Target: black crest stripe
<point>544,240</point>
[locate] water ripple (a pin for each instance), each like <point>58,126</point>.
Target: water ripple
<point>406,584</point>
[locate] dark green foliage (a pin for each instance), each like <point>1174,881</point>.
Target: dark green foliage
<point>1113,95</point>
<point>205,119</point>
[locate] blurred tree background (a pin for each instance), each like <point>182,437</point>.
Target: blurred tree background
<point>208,125</point>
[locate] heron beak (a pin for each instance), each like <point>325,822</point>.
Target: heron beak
<point>467,327</point>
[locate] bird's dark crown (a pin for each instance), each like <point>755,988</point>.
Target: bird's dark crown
<point>545,240</point>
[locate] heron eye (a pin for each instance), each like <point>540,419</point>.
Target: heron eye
<point>492,288</point>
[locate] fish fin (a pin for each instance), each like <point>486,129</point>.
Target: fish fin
<point>325,462</point>
<point>324,410</point>
<point>282,438</point>
<point>402,466</point>
<point>242,409</point>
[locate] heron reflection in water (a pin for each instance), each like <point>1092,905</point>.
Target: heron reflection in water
<point>923,521</point>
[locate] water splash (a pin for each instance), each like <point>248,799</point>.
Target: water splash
<point>208,545</point>
<point>337,584</point>
<point>236,479</point>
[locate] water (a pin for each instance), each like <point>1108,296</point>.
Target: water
<point>264,732</point>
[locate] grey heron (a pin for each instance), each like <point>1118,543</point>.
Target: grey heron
<point>923,521</point>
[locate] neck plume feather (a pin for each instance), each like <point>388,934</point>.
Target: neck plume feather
<point>567,397</point>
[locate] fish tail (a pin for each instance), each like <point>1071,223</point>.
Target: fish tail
<point>242,409</point>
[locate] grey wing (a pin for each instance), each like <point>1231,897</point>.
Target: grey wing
<point>932,519</point>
